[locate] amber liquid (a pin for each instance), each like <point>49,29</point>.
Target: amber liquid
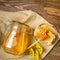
<point>16,42</point>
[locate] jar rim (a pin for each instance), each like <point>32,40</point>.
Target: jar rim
<point>20,23</point>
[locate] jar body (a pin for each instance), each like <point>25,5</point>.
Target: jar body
<point>17,39</point>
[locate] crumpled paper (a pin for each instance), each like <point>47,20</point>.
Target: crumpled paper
<point>28,17</point>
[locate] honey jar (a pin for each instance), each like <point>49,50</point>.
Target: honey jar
<point>18,38</point>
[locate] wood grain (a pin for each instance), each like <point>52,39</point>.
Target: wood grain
<point>49,9</point>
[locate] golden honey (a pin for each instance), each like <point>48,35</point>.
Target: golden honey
<point>17,39</point>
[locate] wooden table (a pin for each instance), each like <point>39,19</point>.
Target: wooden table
<point>49,9</point>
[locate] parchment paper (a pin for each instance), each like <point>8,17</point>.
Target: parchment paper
<point>28,17</point>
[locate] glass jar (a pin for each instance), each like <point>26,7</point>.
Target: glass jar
<point>17,39</point>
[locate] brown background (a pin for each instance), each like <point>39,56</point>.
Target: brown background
<point>49,9</point>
